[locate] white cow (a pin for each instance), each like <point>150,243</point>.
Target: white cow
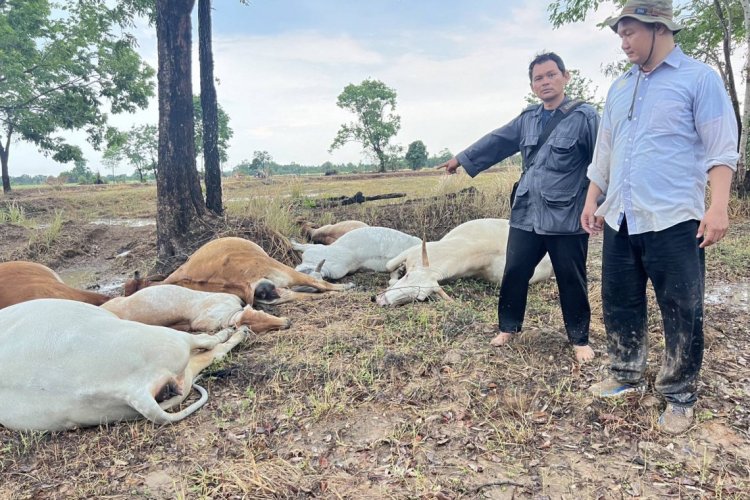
<point>192,310</point>
<point>363,249</point>
<point>67,364</point>
<point>473,249</point>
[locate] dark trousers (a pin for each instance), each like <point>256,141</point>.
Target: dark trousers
<point>568,255</point>
<point>675,265</point>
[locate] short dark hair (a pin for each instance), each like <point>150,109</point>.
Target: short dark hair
<point>544,57</point>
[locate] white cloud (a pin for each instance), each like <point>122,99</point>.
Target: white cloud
<point>280,90</point>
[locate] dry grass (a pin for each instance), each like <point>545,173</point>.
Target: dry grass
<point>355,401</point>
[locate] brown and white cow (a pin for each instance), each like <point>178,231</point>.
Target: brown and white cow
<point>21,281</point>
<point>241,267</point>
<point>192,310</point>
<point>67,364</point>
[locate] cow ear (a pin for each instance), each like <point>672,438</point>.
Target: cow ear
<point>320,266</point>
<point>425,260</point>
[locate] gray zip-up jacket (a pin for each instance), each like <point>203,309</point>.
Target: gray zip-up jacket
<point>552,190</point>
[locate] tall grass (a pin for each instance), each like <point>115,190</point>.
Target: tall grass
<point>13,213</point>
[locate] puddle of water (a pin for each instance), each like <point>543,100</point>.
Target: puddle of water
<point>83,279</point>
<point>735,295</point>
<point>124,222</point>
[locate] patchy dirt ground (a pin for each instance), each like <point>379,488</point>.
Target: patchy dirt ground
<point>355,401</point>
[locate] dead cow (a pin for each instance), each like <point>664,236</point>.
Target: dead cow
<point>21,281</point>
<point>363,249</point>
<point>473,249</point>
<point>191,310</point>
<point>241,267</point>
<point>325,235</point>
<point>66,364</point>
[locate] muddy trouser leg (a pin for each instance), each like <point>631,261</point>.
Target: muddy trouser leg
<point>568,255</point>
<point>624,304</point>
<point>524,251</point>
<point>676,266</point>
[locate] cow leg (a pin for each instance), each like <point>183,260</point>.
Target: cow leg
<point>201,360</point>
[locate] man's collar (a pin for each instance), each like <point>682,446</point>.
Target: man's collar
<point>539,108</point>
<point>674,58</point>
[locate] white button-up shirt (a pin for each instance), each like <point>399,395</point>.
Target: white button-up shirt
<point>660,134</point>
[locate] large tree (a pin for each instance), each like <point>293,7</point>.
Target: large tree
<point>180,205</point>
<point>210,111</point>
<point>374,104</point>
<point>60,70</point>
<point>416,155</point>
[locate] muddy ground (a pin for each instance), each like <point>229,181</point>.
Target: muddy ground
<point>360,402</point>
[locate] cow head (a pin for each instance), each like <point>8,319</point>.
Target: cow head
<point>265,290</point>
<point>417,284</point>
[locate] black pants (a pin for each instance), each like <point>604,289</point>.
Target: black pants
<point>675,264</point>
<point>568,255</point>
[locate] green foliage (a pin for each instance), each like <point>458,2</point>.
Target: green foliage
<point>225,132</point>
<point>61,69</point>
<point>579,87</point>
<point>373,103</point>
<point>80,174</point>
<point>416,155</point>
<point>572,11</point>
<point>441,157</point>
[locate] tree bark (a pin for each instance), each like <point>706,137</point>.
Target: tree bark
<point>212,164</point>
<point>742,180</point>
<point>180,204</point>
<point>728,72</point>
<point>4,151</point>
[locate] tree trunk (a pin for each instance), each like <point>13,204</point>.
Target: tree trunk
<point>4,150</point>
<point>742,180</point>
<point>178,193</point>
<point>212,164</point>
<point>728,73</point>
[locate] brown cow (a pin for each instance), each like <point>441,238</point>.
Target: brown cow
<point>325,235</point>
<point>21,281</point>
<point>241,267</point>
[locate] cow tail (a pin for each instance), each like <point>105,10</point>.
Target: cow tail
<point>146,405</point>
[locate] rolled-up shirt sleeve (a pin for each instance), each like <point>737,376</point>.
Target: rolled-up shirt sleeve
<point>715,123</point>
<point>598,171</point>
<point>492,148</point>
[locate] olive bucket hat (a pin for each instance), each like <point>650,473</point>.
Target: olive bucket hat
<point>653,11</point>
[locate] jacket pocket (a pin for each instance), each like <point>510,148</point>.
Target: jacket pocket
<point>562,156</point>
<point>560,212</point>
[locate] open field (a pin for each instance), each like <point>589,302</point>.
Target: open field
<point>355,401</point>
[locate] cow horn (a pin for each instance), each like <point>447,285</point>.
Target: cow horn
<point>441,293</point>
<point>320,266</point>
<point>425,260</point>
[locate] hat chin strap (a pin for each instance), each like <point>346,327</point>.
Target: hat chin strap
<point>651,51</point>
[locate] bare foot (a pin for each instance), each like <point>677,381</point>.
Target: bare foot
<point>501,339</point>
<point>584,353</point>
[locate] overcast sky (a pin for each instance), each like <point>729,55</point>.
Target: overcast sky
<point>459,69</point>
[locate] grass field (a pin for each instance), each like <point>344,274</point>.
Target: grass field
<point>357,401</point>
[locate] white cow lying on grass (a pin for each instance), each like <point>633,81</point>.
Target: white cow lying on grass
<point>66,364</point>
<point>363,249</point>
<point>192,310</point>
<point>473,249</point>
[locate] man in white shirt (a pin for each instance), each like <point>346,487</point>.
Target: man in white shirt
<point>667,128</point>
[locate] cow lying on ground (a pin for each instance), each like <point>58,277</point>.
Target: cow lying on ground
<point>66,364</point>
<point>363,249</point>
<point>473,249</point>
<point>21,281</point>
<point>240,267</point>
<point>325,235</point>
<point>191,310</point>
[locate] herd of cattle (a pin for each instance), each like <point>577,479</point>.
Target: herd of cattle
<point>72,358</point>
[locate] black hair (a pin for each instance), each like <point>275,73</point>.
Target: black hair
<point>544,57</point>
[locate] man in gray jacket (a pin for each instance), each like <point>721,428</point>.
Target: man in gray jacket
<point>545,215</point>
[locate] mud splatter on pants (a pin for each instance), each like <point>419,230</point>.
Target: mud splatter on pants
<point>675,265</point>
